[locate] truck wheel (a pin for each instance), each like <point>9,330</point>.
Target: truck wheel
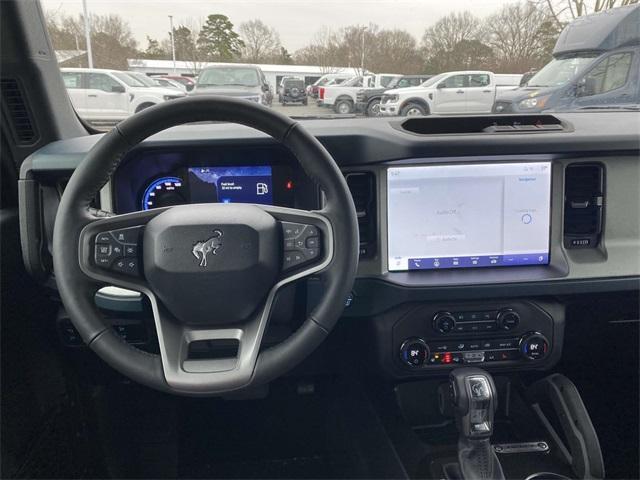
<point>343,106</point>
<point>413,110</point>
<point>373,109</point>
<point>143,106</point>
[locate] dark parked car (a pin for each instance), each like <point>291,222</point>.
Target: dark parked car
<point>368,100</point>
<point>292,90</point>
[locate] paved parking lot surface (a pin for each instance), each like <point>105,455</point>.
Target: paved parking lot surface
<point>290,110</point>
<point>296,109</point>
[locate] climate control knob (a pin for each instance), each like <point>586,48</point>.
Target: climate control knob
<point>444,322</point>
<point>414,352</point>
<point>508,319</point>
<point>534,346</point>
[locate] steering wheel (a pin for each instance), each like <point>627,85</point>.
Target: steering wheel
<point>210,271</point>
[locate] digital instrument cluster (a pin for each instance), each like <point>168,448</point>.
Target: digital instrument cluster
<point>151,178</point>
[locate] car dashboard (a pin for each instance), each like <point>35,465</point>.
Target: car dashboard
<point>455,265</point>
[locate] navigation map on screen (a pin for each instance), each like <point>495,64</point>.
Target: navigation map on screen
<point>457,216</point>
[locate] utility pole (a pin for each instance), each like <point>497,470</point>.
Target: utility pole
<point>173,43</point>
<point>87,33</point>
<point>364,29</point>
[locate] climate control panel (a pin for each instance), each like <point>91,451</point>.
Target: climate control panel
<point>517,334</point>
<point>416,352</point>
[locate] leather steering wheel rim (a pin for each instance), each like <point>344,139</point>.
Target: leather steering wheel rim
<point>74,215</point>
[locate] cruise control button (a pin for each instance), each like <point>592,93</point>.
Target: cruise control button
<point>127,235</point>
<point>105,254</point>
<point>104,237</point>
<point>131,250</point>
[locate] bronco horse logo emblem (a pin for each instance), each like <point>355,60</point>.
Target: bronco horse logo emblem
<point>202,249</point>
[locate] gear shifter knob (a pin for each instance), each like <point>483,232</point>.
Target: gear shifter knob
<point>475,400</point>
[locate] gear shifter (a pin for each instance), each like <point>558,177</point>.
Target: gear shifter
<point>475,400</point>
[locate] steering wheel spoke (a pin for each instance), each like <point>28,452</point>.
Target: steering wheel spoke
<point>110,249</point>
<point>307,241</point>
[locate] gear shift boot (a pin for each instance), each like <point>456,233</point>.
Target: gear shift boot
<point>475,401</point>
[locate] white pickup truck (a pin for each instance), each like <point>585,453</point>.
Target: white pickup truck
<point>109,96</point>
<point>448,93</point>
<point>342,98</point>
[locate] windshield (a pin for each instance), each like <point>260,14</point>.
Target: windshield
<point>142,78</point>
<point>128,79</point>
<point>433,80</point>
<point>218,77</point>
<point>247,48</point>
<point>560,71</point>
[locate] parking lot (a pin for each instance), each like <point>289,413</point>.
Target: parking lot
<point>290,110</point>
<point>297,109</point>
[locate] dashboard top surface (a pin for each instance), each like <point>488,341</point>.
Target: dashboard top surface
<point>354,142</point>
<point>611,138</point>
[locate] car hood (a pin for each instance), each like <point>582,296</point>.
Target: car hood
<point>173,92</point>
<point>406,90</point>
<point>523,93</point>
<point>227,91</point>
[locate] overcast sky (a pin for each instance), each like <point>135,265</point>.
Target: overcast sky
<point>295,20</point>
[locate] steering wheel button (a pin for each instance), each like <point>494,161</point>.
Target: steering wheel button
<point>311,231</point>
<point>312,242</point>
<point>291,230</point>
<point>128,266</point>
<point>131,250</point>
<point>289,243</point>
<point>127,235</point>
<point>104,237</point>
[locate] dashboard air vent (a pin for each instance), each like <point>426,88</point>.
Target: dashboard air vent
<point>363,190</point>
<point>17,112</point>
<point>583,204</point>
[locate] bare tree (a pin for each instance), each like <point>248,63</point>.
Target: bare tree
<point>522,36</point>
<point>261,42</point>
<point>323,51</point>
<point>111,38</point>
<point>564,11</point>
<point>445,45</point>
<point>394,51</point>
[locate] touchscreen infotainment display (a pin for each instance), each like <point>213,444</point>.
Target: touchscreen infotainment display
<point>466,216</point>
<point>231,184</point>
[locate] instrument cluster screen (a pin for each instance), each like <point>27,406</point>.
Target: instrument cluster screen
<point>231,184</point>
<point>467,216</point>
